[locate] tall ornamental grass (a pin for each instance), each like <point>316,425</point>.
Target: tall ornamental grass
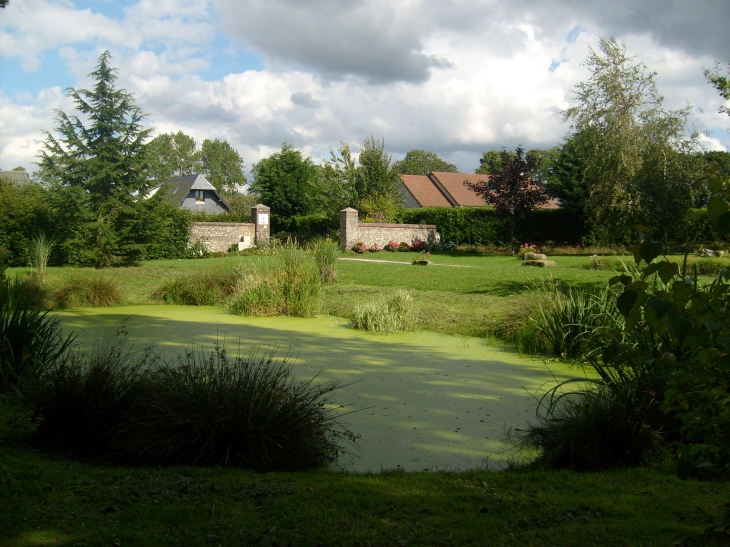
<point>132,407</point>
<point>41,249</point>
<point>567,322</point>
<point>290,286</point>
<point>90,290</point>
<point>326,253</point>
<point>211,288</point>
<point>30,339</point>
<point>398,313</point>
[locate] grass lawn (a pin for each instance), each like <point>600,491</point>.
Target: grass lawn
<point>461,295</point>
<point>50,499</point>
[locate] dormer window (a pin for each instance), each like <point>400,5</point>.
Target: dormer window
<point>199,196</point>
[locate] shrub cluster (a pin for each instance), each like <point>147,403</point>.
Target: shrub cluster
<point>291,286</point>
<point>396,314</point>
<point>94,290</point>
<point>209,288</point>
<point>132,407</point>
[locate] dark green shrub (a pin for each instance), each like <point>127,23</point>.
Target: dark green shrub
<point>82,401</point>
<point>211,288</point>
<point>605,425</point>
<point>483,225</point>
<point>92,290</point>
<point>30,340</point>
<point>131,407</point>
<point>212,410</point>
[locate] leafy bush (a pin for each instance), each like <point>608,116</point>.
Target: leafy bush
<point>391,246</point>
<point>292,286</point>
<point>605,263</point>
<point>418,246</point>
<point>93,290</point>
<point>209,288</point>
<point>212,410</point>
<point>397,314</point>
<point>30,340</point>
<point>132,407</point>
<point>359,247</point>
<point>326,253</point>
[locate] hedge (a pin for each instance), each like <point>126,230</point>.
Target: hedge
<point>484,226</point>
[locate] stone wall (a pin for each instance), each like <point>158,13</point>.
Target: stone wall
<point>219,236</point>
<point>352,231</point>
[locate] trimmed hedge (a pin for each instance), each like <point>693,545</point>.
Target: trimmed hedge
<point>483,225</point>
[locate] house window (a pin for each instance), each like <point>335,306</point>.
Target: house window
<point>199,196</point>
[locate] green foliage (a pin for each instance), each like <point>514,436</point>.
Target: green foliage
<point>326,253</point>
<point>375,177</point>
<point>214,410</point>
<point>206,288</point>
<point>492,162</point>
<point>566,179</point>
<point>132,407</point>
<point>284,181</point>
<point>512,191</point>
<point>26,211</point>
<point>631,146</point>
<point>486,227</point>
<point>95,290</point>
<point>41,248</point>
<point>335,189</point>
<point>396,314</point>
<point>81,402</point>
<point>160,230</point>
<point>421,162</point>
<point>30,340</point>
<point>291,286</point>
<point>720,83</point>
<point>97,165</point>
<point>172,155</point>
<point>223,166</point>
<point>598,427</point>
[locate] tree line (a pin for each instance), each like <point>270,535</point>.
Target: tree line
<point>626,161</point>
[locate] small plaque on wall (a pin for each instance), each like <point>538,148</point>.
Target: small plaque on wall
<point>263,218</point>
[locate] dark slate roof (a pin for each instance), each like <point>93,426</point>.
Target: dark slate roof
<point>177,189</point>
<point>18,177</point>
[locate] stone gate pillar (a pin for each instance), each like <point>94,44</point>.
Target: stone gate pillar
<point>348,228</point>
<point>261,218</point>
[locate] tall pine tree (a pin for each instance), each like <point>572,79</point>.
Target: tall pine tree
<point>97,161</point>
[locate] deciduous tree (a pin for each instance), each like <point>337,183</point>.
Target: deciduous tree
<point>222,166</point>
<point>627,132</point>
<point>512,191</point>
<point>172,155</point>
<point>421,162</point>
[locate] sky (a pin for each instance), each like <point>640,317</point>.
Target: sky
<point>455,77</point>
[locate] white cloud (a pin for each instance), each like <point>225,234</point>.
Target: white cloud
<point>340,71</point>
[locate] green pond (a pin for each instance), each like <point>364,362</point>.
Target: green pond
<point>422,401</point>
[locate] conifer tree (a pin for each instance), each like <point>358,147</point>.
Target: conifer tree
<point>97,162</point>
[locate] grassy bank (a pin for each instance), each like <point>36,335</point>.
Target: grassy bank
<point>463,294</point>
<point>63,503</point>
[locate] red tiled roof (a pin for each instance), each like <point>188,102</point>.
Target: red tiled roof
<point>453,183</point>
<point>424,190</point>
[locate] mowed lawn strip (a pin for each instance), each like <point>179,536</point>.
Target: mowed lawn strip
<point>50,500</point>
<point>463,301</point>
